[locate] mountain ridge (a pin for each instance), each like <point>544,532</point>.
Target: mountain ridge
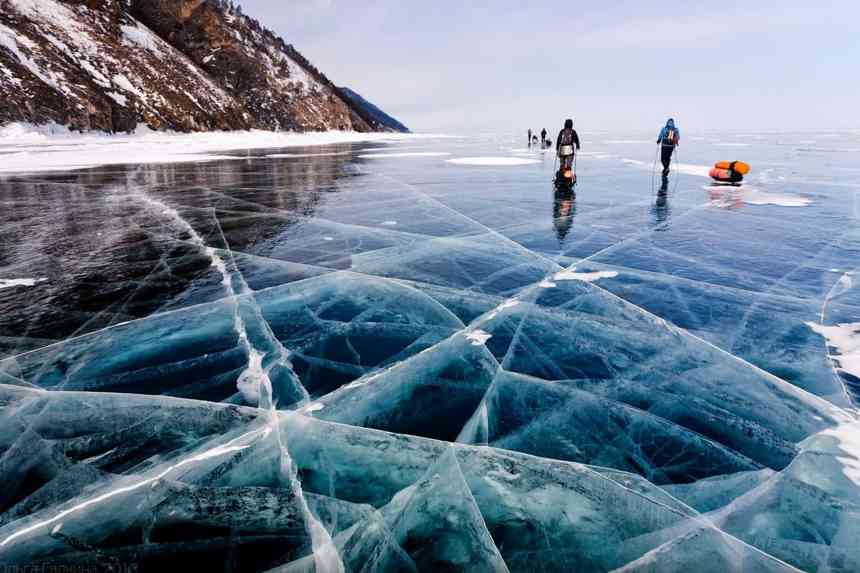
<point>184,65</point>
<point>374,112</point>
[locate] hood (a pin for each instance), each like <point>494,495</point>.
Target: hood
<point>670,124</point>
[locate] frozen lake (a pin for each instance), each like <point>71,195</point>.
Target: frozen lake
<point>292,358</point>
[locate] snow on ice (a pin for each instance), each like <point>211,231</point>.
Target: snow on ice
<point>493,161</point>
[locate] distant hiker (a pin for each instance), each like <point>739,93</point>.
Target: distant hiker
<point>543,138</point>
<point>668,139</point>
<point>566,145</point>
<point>530,137</point>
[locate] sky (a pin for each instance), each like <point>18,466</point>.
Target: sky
<point>455,66</point>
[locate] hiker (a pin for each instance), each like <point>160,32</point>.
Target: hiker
<point>668,139</point>
<point>566,145</point>
<point>530,137</point>
<point>543,138</point>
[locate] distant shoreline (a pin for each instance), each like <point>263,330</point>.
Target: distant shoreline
<point>27,148</point>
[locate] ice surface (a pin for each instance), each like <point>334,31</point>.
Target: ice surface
<point>366,357</point>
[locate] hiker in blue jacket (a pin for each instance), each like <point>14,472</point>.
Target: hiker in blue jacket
<point>668,139</point>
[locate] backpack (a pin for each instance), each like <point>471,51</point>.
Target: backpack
<point>566,136</point>
<point>671,137</point>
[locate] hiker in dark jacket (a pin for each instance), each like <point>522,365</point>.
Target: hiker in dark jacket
<point>668,138</point>
<point>566,145</point>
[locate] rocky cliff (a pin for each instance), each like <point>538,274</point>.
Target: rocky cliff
<point>187,65</point>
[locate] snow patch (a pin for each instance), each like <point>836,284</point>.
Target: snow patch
<point>7,283</point>
<point>408,154</point>
<point>54,148</point>
<point>139,36</point>
<point>493,161</point>
<point>845,339</point>
<point>847,436</point>
<point>118,98</point>
<point>122,82</point>
<point>588,277</point>
<point>11,40</point>
<point>248,383</point>
<point>315,407</point>
<point>686,168</point>
<point>754,197</point>
<point>478,337</point>
<point>728,196</point>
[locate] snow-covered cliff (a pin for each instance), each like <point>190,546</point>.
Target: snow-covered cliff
<point>188,65</point>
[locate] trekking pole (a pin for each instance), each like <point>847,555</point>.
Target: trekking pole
<point>675,162</point>
<point>575,155</point>
<point>654,167</point>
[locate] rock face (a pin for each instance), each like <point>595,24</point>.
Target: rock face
<point>187,65</point>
